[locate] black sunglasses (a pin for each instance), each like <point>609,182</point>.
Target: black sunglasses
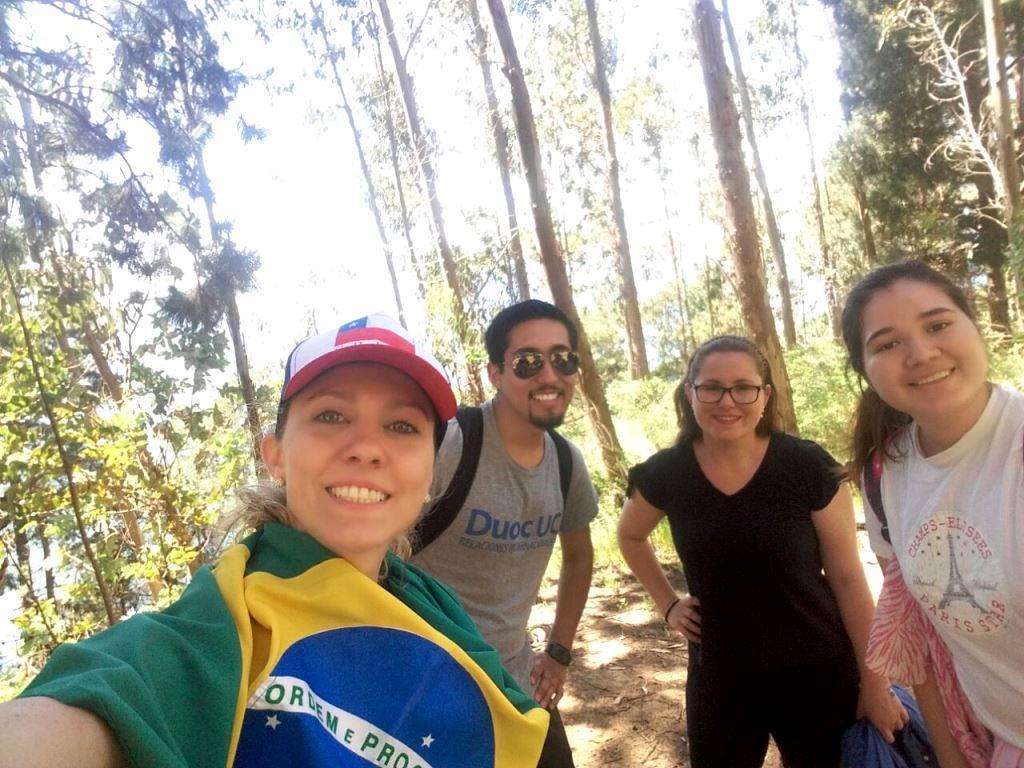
<point>527,363</point>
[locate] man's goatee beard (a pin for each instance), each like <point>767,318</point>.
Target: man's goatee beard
<point>550,422</point>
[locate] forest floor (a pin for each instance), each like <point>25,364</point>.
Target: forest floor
<point>624,703</point>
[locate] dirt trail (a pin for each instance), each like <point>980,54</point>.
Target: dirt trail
<point>625,695</point>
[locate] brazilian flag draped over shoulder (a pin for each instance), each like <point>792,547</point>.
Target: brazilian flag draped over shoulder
<point>285,654</point>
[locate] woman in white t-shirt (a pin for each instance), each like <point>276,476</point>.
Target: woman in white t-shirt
<point>948,449</point>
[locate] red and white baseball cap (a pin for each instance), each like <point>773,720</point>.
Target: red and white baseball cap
<point>371,339</point>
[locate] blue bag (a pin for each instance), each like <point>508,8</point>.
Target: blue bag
<point>864,747</point>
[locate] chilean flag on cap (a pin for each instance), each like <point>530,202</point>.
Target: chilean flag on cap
<point>372,339</point>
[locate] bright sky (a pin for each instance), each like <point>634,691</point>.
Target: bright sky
<point>298,197</point>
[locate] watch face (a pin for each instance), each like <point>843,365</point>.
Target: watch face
<point>559,653</point>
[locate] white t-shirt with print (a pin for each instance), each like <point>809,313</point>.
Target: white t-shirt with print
<point>956,520</point>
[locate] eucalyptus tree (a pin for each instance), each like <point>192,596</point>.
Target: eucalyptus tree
<point>914,87</point>
<point>1003,128</point>
<point>464,326</point>
<point>771,223</point>
<point>169,74</point>
<point>334,54</point>
<point>735,181</point>
<point>380,106</point>
<point>829,269</point>
<point>501,149</point>
<point>551,256</point>
<point>624,260</point>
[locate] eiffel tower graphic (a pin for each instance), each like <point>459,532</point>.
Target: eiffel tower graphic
<point>956,589</point>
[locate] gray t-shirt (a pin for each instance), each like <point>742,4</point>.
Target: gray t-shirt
<point>495,552</point>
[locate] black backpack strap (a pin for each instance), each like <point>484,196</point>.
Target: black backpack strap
<point>564,464</point>
<point>446,509</point>
<point>873,489</point>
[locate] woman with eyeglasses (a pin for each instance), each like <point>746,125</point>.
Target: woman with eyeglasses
<point>778,610</point>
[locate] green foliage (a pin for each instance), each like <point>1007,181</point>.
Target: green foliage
<point>824,394</point>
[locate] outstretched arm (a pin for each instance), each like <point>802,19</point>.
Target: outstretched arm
<point>547,675</point>
<point>837,540</point>
<point>38,732</point>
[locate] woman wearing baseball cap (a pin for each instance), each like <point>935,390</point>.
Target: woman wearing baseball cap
<point>311,642</point>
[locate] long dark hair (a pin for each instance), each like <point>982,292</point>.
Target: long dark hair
<point>876,423</point>
<point>689,430</point>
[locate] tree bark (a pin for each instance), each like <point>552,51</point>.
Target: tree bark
<point>990,250</point>
<point>1002,108</point>
<point>364,166</point>
<point>739,207</point>
<point>999,103</point>
<point>50,583</point>
<point>828,267</point>
<point>638,365</point>
<point>686,340</point>
<point>864,214</point>
<point>708,297</point>
<point>229,302</point>
<point>463,327</point>
<point>771,223</point>
<point>500,152</point>
<point>396,166</point>
<point>554,266</point>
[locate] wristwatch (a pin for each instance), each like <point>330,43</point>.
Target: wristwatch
<point>559,653</point>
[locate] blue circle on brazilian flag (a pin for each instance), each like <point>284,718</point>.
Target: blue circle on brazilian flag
<point>361,696</point>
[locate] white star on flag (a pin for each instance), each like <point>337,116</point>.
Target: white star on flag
<point>273,722</point>
<point>428,740</point>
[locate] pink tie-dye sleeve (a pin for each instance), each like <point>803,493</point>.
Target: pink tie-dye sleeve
<point>903,644</point>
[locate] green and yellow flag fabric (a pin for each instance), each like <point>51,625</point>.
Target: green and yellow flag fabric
<point>285,654</point>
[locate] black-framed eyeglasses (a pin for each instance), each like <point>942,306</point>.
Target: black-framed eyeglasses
<point>527,363</point>
<point>741,394</point>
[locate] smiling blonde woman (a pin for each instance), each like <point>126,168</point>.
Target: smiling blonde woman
<point>311,642</point>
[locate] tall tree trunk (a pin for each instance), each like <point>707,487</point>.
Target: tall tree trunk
<point>371,188</point>
<point>708,294</point>
<point>990,250</point>
<point>69,474</point>
<point>554,266</point>
<point>686,340</point>
<point>739,206</point>
<point>23,558</point>
<point>463,327</point>
<point>624,262</point>
<point>48,578</point>
<point>500,152</point>
<point>1002,109</point>
<point>230,301</point>
<point>396,166</point>
<point>864,214</point>
<point>828,266</point>
<point>771,224</point>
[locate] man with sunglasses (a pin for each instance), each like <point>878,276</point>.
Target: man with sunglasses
<point>496,550</point>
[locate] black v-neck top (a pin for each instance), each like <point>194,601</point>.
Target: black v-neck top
<point>752,558</point>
